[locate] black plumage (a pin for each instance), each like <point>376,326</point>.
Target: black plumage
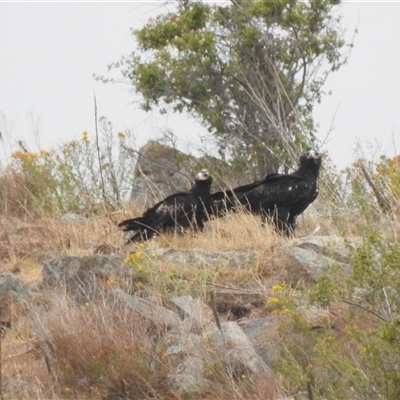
<point>177,212</point>
<point>279,198</point>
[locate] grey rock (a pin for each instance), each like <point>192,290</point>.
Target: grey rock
<point>81,277</point>
<point>311,257</point>
<point>264,336</point>
<point>335,247</point>
<point>11,287</point>
<point>196,315</point>
<point>160,171</point>
<point>150,308</point>
<point>236,349</point>
<point>72,217</point>
<point>232,259</point>
<point>158,252</point>
<point>190,353</point>
<point>12,290</point>
<point>188,357</point>
<point>308,265</point>
<point>314,316</point>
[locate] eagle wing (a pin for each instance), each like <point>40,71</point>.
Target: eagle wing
<point>175,210</point>
<point>165,210</point>
<point>275,190</point>
<point>228,199</point>
<point>284,191</point>
<point>167,203</point>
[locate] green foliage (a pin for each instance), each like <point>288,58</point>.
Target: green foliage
<point>385,178</point>
<point>376,269</point>
<point>388,174</point>
<point>72,178</point>
<point>250,71</point>
<point>325,291</point>
<point>361,360</point>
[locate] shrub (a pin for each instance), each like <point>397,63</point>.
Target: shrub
<point>77,177</point>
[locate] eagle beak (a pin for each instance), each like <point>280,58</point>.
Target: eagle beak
<point>203,174</point>
<point>312,154</point>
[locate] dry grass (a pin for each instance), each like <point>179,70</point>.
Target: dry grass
<point>49,350</point>
<point>103,351</point>
<point>106,351</point>
<point>26,243</point>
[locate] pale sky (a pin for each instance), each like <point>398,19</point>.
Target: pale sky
<point>49,52</point>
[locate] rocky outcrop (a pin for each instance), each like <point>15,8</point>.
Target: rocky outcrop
<point>311,257</point>
<point>13,293</point>
<point>81,278</point>
<point>197,257</point>
<point>200,343</point>
<point>201,340</point>
<point>162,170</point>
<point>12,287</point>
<point>151,308</point>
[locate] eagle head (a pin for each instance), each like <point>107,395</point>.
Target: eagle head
<point>203,175</point>
<point>311,160</point>
<point>312,154</point>
<point>311,157</point>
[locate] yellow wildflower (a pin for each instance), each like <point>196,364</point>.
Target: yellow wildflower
<point>133,257</point>
<point>206,337</point>
<point>24,155</point>
<point>279,287</point>
<point>44,153</point>
<point>85,137</point>
<point>273,300</point>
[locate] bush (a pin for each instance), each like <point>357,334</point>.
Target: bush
<point>77,177</point>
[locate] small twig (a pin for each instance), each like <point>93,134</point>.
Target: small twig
<point>19,354</point>
<point>309,391</point>
<point>380,198</point>
<point>215,312</point>
<point>233,288</point>
<point>103,188</point>
<point>365,309</point>
<point>389,310</point>
<point>1,362</point>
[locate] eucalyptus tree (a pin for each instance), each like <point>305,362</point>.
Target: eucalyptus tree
<point>250,71</point>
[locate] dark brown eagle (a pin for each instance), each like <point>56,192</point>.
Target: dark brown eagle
<point>177,212</point>
<point>278,198</point>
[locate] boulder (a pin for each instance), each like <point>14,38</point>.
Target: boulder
<point>188,357</point>
<point>199,346</point>
<point>81,277</point>
<point>13,292</point>
<point>308,265</point>
<point>236,350</point>
<point>150,308</point>
<point>12,287</point>
<point>312,257</point>
<point>197,257</point>
<point>195,314</point>
<point>162,170</point>
<point>264,335</point>
<point>335,247</point>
